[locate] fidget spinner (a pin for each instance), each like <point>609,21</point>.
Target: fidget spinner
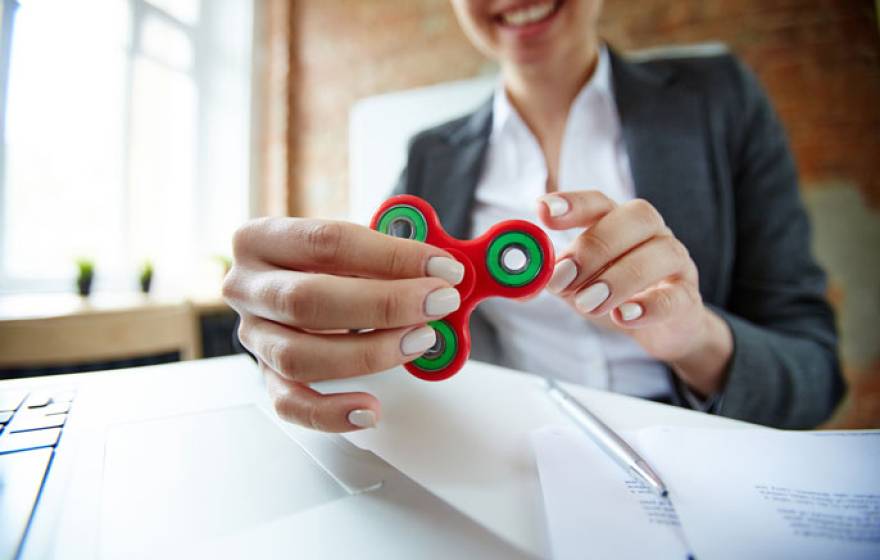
<point>514,259</point>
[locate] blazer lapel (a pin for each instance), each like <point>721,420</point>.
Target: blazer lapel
<point>665,129</point>
<point>453,171</point>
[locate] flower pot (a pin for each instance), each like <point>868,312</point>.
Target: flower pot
<point>146,282</point>
<point>84,285</point>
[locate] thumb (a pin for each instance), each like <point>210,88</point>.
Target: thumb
<point>565,210</point>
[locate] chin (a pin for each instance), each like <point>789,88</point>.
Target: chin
<point>533,31</point>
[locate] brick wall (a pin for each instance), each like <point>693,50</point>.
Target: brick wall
<point>819,59</point>
<point>349,49</point>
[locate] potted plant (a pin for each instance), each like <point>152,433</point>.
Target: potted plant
<point>85,275</point>
<point>146,277</point>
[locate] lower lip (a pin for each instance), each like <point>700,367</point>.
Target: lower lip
<point>531,29</point>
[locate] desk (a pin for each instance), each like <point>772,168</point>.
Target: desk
<point>66,329</point>
<point>473,457</point>
<point>15,307</point>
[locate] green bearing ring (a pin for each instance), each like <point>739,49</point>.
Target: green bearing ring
<point>534,259</point>
<point>404,221</point>
<point>444,350</point>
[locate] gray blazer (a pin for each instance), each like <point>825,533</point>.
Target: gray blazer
<point>707,150</point>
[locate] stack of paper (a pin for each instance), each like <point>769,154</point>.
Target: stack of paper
<point>596,510</point>
<point>737,493</point>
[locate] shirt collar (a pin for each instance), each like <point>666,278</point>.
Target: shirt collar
<point>504,113</point>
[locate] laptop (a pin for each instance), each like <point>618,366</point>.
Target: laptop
<point>188,460</point>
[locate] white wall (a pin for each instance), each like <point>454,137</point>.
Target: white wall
<point>380,128</point>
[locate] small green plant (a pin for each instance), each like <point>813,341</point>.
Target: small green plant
<point>85,275</point>
<point>146,276</point>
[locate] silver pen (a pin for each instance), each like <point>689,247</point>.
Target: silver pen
<point>612,444</point>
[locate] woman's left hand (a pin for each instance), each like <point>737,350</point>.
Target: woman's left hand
<point>629,271</point>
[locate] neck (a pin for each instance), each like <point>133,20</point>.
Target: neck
<point>543,93</point>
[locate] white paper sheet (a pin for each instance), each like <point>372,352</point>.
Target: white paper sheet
<point>596,510</point>
<point>772,494</point>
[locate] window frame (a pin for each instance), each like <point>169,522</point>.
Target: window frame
<point>7,19</point>
<point>139,12</point>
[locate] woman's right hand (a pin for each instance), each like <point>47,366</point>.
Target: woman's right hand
<point>301,286</point>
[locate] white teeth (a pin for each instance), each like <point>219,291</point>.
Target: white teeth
<point>529,14</point>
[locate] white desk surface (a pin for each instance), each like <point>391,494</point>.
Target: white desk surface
<point>465,439</point>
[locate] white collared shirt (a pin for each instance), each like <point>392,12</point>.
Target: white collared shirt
<point>545,335</point>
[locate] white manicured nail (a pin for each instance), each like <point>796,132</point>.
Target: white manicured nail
<point>362,418</point>
<point>448,269</point>
<point>563,275</point>
<point>592,297</point>
<point>418,340</point>
<point>442,302</point>
<point>556,205</point>
<point>630,311</point>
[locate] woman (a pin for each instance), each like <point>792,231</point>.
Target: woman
<point>683,272</point>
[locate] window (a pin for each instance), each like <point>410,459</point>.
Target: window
<point>127,138</point>
<point>7,12</point>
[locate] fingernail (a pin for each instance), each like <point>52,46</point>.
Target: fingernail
<point>630,311</point>
<point>362,418</point>
<point>563,275</point>
<point>592,297</point>
<point>556,205</point>
<point>442,302</point>
<point>448,269</point>
<point>418,340</point>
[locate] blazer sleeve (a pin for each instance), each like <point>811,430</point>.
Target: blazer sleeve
<point>784,371</point>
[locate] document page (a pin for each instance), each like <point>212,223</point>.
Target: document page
<point>596,510</point>
<point>771,494</point>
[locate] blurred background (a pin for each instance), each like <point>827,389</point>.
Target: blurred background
<point>138,134</point>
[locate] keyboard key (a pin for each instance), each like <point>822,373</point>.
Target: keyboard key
<point>5,417</point>
<point>21,476</point>
<point>27,422</point>
<point>10,442</point>
<point>54,408</point>
<point>62,395</point>
<point>37,400</point>
<point>9,400</point>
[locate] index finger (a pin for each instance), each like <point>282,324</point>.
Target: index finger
<point>341,248</point>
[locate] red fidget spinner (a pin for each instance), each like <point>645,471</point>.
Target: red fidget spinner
<point>514,259</point>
